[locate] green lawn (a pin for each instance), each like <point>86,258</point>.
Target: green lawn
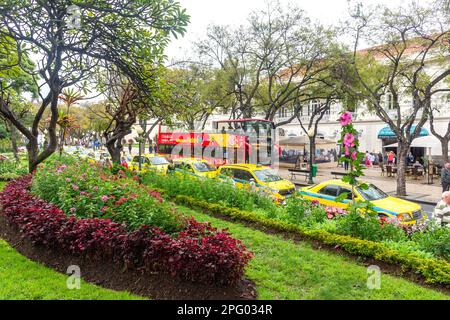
<point>21,278</point>
<point>284,269</point>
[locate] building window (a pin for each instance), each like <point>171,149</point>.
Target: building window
<point>282,112</point>
<point>314,107</point>
<point>389,101</point>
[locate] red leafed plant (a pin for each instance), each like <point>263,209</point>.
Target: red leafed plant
<point>198,253</point>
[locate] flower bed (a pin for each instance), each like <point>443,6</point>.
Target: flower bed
<point>89,191</point>
<point>197,253</point>
<point>213,190</point>
<point>432,270</point>
<point>425,240</point>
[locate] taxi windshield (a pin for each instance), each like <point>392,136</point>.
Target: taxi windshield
<point>158,160</point>
<point>203,167</point>
<point>372,193</point>
<point>267,175</point>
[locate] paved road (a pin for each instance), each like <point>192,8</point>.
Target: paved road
<point>427,208</point>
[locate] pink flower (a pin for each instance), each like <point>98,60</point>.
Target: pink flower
<point>72,210</point>
<point>346,118</point>
<point>354,155</point>
<point>315,202</point>
<point>347,151</point>
<point>82,193</point>
<point>75,187</point>
<point>104,209</point>
<point>104,198</point>
<point>68,180</point>
<point>349,140</point>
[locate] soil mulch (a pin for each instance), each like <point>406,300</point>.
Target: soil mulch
<point>108,275</point>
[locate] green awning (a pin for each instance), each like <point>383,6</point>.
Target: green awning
<point>386,132</point>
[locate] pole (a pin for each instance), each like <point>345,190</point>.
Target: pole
<point>311,148</point>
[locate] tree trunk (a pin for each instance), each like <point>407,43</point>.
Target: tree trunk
<point>61,141</point>
<point>401,168</point>
<point>444,145</point>
<point>33,153</point>
<point>13,133</point>
<point>114,151</point>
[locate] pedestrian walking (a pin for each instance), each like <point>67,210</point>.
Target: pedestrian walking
<point>150,146</point>
<point>367,161</point>
<point>371,159</point>
<point>445,177</point>
<point>391,157</point>
<point>130,145</point>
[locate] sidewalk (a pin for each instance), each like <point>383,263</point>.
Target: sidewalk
<point>417,190</point>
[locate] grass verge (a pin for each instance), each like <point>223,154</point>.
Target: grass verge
<point>22,279</point>
<point>284,269</point>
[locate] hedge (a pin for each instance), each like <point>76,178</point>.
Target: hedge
<point>433,271</point>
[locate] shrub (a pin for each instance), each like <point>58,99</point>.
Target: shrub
<point>303,212</point>
<point>367,227</point>
<point>198,253</point>
<point>212,190</point>
<point>89,191</point>
<point>434,239</point>
<point>11,169</point>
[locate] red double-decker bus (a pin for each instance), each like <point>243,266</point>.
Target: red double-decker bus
<point>230,141</point>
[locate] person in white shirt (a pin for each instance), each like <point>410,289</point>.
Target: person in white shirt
<point>442,210</point>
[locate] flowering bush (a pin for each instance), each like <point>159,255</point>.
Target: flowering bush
<point>209,190</point>
<point>197,253</point>
<point>11,169</point>
<point>88,191</point>
<point>303,212</point>
<point>333,212</point>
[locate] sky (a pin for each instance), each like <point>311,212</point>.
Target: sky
<point>235,12</point>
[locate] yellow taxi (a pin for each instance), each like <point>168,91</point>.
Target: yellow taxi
<point>194,166</point>
<point>150,162</point>
<point>258,177</point>
<point>406,212</point>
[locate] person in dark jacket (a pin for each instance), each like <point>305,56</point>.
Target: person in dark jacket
<point>445,177</point>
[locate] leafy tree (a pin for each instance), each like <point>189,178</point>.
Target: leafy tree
<point>13,82</point>
<point>271,63</point>
<point>72,38</point>
<point>414,38</point>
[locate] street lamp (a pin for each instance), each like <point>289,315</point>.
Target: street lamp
<point>310,134</point>
<point>140,139</point>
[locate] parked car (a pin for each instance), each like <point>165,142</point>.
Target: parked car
<point>258,177</point>
<point>150,162</point>
<point>327,192</point>
<point>193,166</point>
